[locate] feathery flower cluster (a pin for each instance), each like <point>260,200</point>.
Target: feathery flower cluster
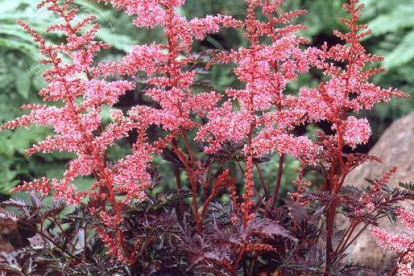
<point>266,69</point>
<point>76,119</point>
<point>348,88</point>
<point>401,244</point>
<point>165,64</point>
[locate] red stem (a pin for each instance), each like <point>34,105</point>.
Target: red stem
<point>239,257</point>
<point>262,182</point>
<point>278,180</point>
<point>178,187</point>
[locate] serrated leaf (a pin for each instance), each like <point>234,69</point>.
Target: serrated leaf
<point>398,18</point>
<point>267,228</point>
<point>407,185</point>
<point>13,202</point>
<point>170,156</point>
<point>117,41</point>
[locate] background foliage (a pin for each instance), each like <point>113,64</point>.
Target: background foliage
<point>393,32</point>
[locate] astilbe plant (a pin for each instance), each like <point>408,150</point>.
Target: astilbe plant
<point>77,124</point>
<point>122,226</point>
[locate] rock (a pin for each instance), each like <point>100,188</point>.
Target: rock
<point>395,148</point>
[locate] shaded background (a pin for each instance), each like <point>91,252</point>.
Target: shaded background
<point>392,23</point>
